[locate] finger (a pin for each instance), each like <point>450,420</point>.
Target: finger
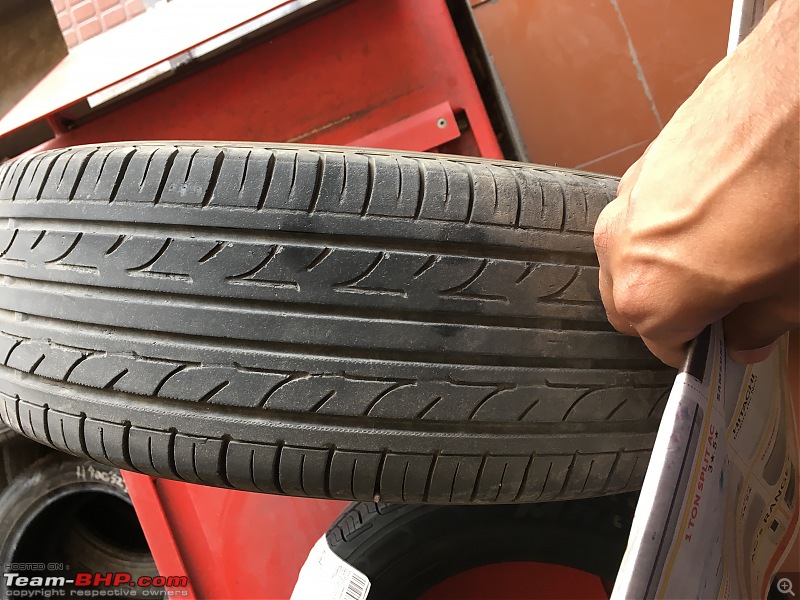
<point>755,325</point>
<point>607,296</point>
<point>606,233</point>
<point>751,329</point>
<point>608,226</point>
<point>673,355</point>
<point>751,357</point>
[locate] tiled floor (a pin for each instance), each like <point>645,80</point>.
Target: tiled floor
<point>592,82</point>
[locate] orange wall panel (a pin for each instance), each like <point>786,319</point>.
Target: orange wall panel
<point>592,82</point>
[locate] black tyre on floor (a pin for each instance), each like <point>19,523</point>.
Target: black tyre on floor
<point>16,454</point>
<point>350,324</point>
<point>70,515</point>
<point>405,550</point>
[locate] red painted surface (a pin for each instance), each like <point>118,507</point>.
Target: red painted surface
<point>376,73</point>
<point>356,70</point>
<point>231,544</point>
<point>150,507</point>
<point>89,68</point>
<point>425,130</point>
<point>517,581</point>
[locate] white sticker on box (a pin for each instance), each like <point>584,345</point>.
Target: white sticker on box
<point>325,576</point>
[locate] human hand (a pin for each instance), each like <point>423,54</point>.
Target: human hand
<point>706,225</point>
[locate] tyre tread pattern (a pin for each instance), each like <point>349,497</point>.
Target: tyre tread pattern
<point>331,289</point>
<point>327,473</point>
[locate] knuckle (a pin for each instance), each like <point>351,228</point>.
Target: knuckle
<point>601,238</point>
<point>618,322</point>
<point>634,300</point>
<point>602,234</point>
<point>609,227</point>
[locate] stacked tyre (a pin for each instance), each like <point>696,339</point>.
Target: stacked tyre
<point>407,551</point>
<point>60,515</point>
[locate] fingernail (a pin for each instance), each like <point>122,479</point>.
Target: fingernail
<point>750,357</point>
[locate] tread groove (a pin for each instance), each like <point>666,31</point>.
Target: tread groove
<point>151,261</point>
<point>222,468</point>
<point>11,351</point>
<point>126,446</point>
<point>421,191</point>
<point>265,398</point>
<point>402,355</point>
<point>66,253</point>
<point>165,175</point>
<point>471,197</point>
<point>38,239</point>
<point>218,247</point>
<point>175,371</point>
<point>429,479</point>
<point>262,196</point>
<point>252,468</point>
<point>524,481</point>
<point>103,446</point>
<point>386,243</point>
<point>384,393</point>
<point>35,365</point>
<point>353,479</point>
<point>588,473</point>
<point>318,259</point>
<point>611,471</point>
<point>322,402</point>
<point>477,485</point>
<point>76,364</point>
<point>113,247</point>
<point>113,381</point>
<point>123,169</point>
<point>10,243</point>
<point>425,267</point>
<point>326,474</point>
<point>500,484</point>
<point>81,171</point>
<point>527,410</point>
<point>568,475</point>
<point>261,264</point>
<point>214,391</point>
<point>376,496</point>
<point>421,414</point>
<point>276,465</point>
<point>212,183</point>
<point>266,306</point>
<point>453,483</point>
<point>492,394</point>
<point>317,184</point>
<point>46,425</point>
<point>22,176</point>
<point>369,191</point>
<point>82,434</point>
<point>546,479</point>
<point>244,172</point>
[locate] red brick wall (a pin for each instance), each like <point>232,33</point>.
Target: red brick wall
<point>83,19</point>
